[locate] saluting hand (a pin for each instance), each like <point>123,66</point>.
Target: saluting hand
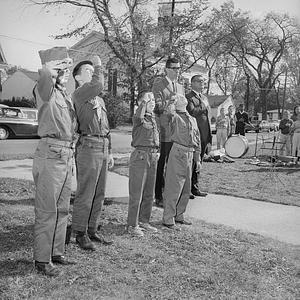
<point>111,161</point>
<point>96,61</point>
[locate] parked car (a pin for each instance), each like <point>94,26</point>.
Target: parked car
<point>18,121</point>
<point>252,127</point>
<point>265,125</point>
<point>275,124</point>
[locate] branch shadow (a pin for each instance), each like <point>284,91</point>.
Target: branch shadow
<point>16,238</point>
<point>25,201</point>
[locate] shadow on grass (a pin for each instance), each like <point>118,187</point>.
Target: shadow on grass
<point>18,267</point>
<point>28,201</point>
<point>16,238</point>
<point>287,171</point>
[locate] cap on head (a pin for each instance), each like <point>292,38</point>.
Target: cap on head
<point>56,57</point>
<point>78,66</point>
<point>172,63</point>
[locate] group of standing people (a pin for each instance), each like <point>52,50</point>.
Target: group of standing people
<point>289,137</point>
<point>66,125</point>
<point>169,144</point>
<point>171,132</point>
<point>230,123</point>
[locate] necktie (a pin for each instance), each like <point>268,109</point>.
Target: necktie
<point>174,86</point>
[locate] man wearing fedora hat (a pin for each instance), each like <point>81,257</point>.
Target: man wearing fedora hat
<point>165,90</point>
<point>52,164</point>
<point>93,153</point>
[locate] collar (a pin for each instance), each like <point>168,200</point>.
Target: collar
<point>170,81</point>
<point>197,93</point>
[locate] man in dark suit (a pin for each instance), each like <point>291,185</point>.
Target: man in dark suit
<point>198,107</point>
<point>165,90</point>
<point>242,119</point>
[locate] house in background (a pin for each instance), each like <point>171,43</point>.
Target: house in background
<point>3,68</point>
<point>19,85</point>
<point>94,44</point>
<point>217,102</point>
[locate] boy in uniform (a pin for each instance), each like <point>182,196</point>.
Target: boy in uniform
<point>93,153</point>
<point>186,140</point>
<point>142,167</point>
<point>52,164</point>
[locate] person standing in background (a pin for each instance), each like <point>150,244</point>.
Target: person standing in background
<point>285,137</point>
<point>165,90</point>
<point>295,132</point>
<point>52,163</point>
<point>222,127</point>
<point>242,119</point>
<point>232,120</point>
<point>198,107</point>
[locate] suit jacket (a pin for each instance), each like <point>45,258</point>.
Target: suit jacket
<point>198,110</point>
<point>163,91</point>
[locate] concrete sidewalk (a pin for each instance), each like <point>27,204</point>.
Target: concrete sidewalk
<point>281,222</point>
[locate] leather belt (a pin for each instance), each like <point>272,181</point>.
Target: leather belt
<point>58,142</point>
<point>147,149</point>
<point>186,148</point>
<point>95,135</point>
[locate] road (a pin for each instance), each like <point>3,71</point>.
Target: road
<point>120,142</point>
<point>27,146</point>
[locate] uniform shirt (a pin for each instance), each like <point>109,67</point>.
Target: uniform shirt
<point>90,108</point>
<point>163,91</point>
<point>56,116</point>
<point>222,122</point>
<point>185,131</point>
<point>285,125</point>
<point>144,131</point>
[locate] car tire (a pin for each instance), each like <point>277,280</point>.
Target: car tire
<point>4,133</point>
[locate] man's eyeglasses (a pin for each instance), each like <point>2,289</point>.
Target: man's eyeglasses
<point>199,81</point>
<point>173,68</point>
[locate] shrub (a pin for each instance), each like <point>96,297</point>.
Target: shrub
<point>117,109</point>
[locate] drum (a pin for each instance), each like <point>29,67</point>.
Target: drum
<point>236,146</point>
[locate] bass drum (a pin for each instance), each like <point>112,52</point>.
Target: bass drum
<point>236,146</point>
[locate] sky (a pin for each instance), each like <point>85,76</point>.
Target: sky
<point>25,29</point>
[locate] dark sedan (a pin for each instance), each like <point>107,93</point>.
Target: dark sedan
<point>18,121</point>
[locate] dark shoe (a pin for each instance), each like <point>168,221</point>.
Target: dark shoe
<point>199,193</point>
<point>192,196</point>
<point>183,222</point>
<point>46,269</point>
<point>172,226</point>
<point>159,202</point>
<point>84,242</point>
<point>68,234</point>
<point>61,260</point>
<point>99,238</point>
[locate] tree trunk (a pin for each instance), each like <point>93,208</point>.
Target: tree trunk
<point>132,96</point>
<point>263,102</point>
<point>247,94</point>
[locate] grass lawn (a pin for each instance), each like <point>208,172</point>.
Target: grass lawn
<point>203,261</point>
<point>272,184</point>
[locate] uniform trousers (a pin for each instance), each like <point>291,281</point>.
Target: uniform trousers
<point>92,165</point>
<point>52,174</point>
<point>286,141</point>
<point>142,175</point>
<point>296,144</point>
<point>178,183</point>
<point>165,148</point>
<point>221,137</point>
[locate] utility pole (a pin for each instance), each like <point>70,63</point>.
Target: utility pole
<point>172,17</point>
